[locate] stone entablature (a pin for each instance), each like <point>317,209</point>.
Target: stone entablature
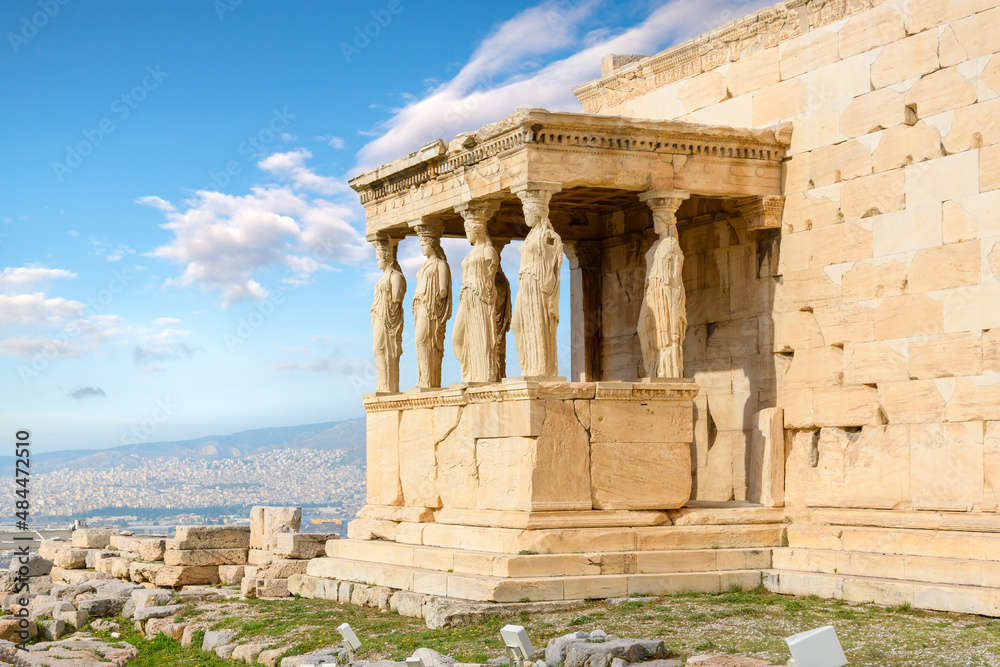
<point>767,28</point>
<point>575,150</point>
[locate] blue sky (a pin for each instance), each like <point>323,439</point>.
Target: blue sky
<point>180,252</point>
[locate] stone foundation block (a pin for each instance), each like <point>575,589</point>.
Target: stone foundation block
<point>203,557</point>
<point>92,538</point>
<point>70,558</point>
<point>301,545</point>
<point>184,575</point>
<point>281,569</point>
<point>272,588</point>
<point>232,574</point>
<point>258,556</point>
<point>210,537</point>
<point>150,549</point>
<point>406,603</point>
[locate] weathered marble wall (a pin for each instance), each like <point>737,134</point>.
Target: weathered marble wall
<point>884,327</point>
<point>728,277</point>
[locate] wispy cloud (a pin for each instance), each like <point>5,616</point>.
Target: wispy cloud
<point>522,62</point>
<point>331,141</point>
<point>155,202</point>
<point>339,366</point>
<point>144,355</point>
<point>18,277</point>
<point>87,392</point>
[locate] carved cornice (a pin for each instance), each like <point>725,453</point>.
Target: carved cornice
<point>764,29</point>
<point>762,212</point>
<point>513,389</point>
<point>572,133</point>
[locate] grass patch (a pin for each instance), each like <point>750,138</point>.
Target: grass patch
<point>746,622</point>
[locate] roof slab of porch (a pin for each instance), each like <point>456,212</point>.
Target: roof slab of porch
<point>598,164</point>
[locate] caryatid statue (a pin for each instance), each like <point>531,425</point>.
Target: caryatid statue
<point>501,316</point>
<point>536,308</point>
<point>387,315</point>
<point>663,315</point>
<point>431,306</point>
<point>474,337</point>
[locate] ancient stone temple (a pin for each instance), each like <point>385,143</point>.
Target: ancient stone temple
<point>784,264</point>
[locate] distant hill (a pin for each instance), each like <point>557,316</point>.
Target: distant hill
<point>349,435</point>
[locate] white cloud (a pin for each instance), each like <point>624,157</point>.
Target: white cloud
<point>36,308</point>
<point>291,166</point>
<point>333,142</point>
<point>225,241</point>
<point>18,277</point>
<point>504,73</point>
<point>155,202</point>
<point>165,321</point>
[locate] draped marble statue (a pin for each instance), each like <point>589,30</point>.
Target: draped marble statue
<point>474,337</point>
<point>501,319</point>
<point>387,316</point>
<point>431,307</point>
<point>663,314</point>
<point>536,309</point>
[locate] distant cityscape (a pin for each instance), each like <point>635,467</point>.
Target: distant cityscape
<point>171,491</point>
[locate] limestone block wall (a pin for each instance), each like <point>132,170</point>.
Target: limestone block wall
<point>886,297</point>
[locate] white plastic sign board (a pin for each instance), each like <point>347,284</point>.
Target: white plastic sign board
<point>817,648</point>
<point>516,637</point>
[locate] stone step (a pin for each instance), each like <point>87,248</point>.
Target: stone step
<point>568,541</point>
<point>925,569</point>
<point>549,565</point>
<point>901,541</point>
<point>852,588</point>
<point>535,589</point>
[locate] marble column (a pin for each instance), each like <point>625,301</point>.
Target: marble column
<point>387,315</point>
<point>585,309</point>
<point>536,308</point>
<point>663,315</point>
<point>474,338</point>
<point>431,305</point>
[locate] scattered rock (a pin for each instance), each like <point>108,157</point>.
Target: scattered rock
<point>326,657</point>
<point>78,650</point>
<point>99,607</point>
<point>555,651</point>
<point>147,613</point>
<point>36,566</point>
<point>271,657</point>
<point>105,626</point>
<point>435,659</point>
<point>225,652</point>
<point>248,652</point>
<point>450,613</point>
<point>10,626</point>
<point>187,637</point>
<point>51,629</point>
<point>587,654</point>
<point>216,638</point>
